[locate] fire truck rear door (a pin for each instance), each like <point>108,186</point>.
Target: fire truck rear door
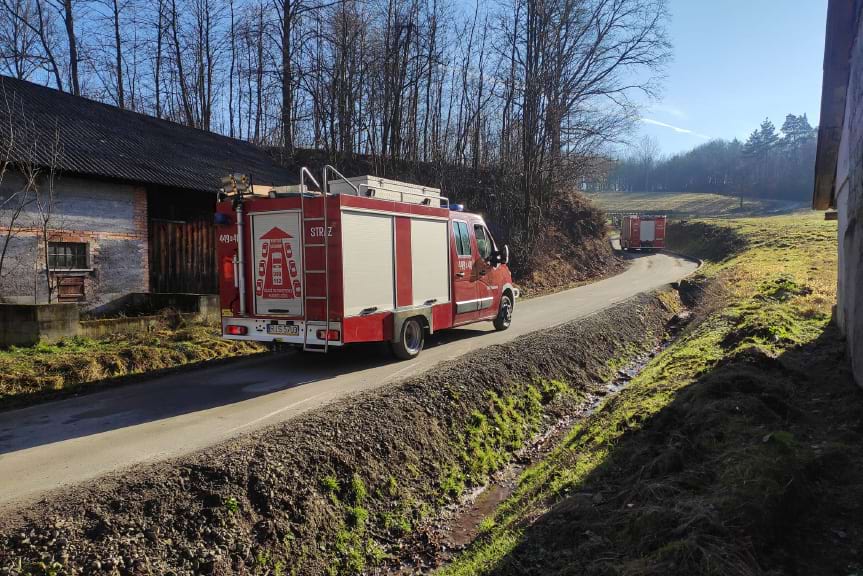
<point>276,263</point>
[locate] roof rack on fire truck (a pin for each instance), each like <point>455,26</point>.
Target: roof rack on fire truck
<point>362,186</point>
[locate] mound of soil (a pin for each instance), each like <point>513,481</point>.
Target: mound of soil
<point>704,240</point>
<point>574,248</point>
<point>335,490</point>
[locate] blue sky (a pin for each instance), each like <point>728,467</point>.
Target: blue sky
<point>735,62</point>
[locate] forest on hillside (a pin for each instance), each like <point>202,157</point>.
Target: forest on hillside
<point>771,163</point>
<point>522,93</point>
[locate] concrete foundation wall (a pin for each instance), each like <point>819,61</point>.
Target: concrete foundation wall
<point>849,203</point>
<point>200,306</point>
<point>110,217</point>
<point>25,325</point>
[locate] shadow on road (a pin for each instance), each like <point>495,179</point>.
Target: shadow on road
<point>190,391</point>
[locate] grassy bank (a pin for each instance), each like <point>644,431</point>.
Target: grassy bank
<point>48,370</point>
<point>736,451</point>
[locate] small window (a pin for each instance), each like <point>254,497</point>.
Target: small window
<point>462,238</point>
<point>67,255</point>
<point>483,242</point>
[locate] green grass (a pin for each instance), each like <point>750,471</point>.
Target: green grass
<point>689,204</point>
<point>693,467</point>
<point>47,370</point>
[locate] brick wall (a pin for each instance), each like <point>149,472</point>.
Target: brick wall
<point>139,210</point>
<point>110,217</point>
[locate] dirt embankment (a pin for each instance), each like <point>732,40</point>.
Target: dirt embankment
<point>334,491</point>
<point>704,240</point>
<point>573,249</point>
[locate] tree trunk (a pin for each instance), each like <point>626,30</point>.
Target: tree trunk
<point>160,28</point>
<point>181,76</point>
<point>287,79</point>
<point>119,56</point>
<point>69,21</point>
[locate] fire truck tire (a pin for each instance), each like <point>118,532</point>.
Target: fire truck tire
<point>504,313</point>
<point>411,340</point>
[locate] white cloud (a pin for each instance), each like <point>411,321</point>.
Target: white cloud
<point>677,129</point>
<point>669,109</point>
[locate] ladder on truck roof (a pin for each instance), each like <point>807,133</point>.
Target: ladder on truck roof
<point>304,172</point>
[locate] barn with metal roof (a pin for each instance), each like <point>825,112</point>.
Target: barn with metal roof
<point>98,202</point>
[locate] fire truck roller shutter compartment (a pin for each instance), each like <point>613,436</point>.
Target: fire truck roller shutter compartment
<point>429,261</point>
<point>648,230</point>
<point>277,257</point>
<point>368,262</point>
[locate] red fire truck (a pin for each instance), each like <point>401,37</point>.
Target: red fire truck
<point>360,259</point>
<point>638,231</point>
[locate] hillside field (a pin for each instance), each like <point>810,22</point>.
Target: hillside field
<point>691,205</point>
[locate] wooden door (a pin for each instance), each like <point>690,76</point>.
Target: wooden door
<point>183,256</point>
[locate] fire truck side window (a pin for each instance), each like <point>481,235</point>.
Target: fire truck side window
<point>482,242</point>
<point>462,238</point>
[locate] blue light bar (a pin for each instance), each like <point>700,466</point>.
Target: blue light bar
<point>456,207</point>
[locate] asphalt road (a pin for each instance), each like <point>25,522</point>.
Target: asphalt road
<point>52,445</point>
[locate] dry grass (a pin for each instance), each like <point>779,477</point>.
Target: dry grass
<point>690,205</point>
<point>72,364</point>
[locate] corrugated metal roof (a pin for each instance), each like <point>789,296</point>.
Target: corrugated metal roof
<point>104,141</point>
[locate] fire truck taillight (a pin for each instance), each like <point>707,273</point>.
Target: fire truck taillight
<point>228,269</point>
<point>328,335</point>
<point>234,330</point>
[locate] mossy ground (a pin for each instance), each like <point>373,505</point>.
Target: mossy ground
<point>736,451</point>
<point>47,370</point>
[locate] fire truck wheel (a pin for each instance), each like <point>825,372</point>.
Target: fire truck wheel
<point>410,342</point>
<point>504,314</point>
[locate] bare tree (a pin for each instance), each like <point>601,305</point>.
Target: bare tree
<point>12,207</point>
<point>28,202</point>
<point>40,181</point>
<point>18,40</point>
<point>118,52</point>
<point>178,63</point>
<point>530,89</point>
<point>66,11</point>
<point>646,155</point>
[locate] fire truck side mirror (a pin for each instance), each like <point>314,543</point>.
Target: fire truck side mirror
<point>500,256</point>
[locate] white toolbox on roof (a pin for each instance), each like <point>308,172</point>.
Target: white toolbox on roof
<point>388,190</point>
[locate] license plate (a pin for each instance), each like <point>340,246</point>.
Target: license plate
<point>283,329</point>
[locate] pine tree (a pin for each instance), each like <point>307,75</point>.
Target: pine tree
<point>797,129</point>
<point>754,145</point>
<point>791,127</point>
<point>769,137</point>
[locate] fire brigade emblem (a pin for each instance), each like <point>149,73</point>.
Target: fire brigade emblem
<point>276,267</point>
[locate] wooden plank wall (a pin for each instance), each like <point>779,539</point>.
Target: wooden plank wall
<point>183,256</point>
